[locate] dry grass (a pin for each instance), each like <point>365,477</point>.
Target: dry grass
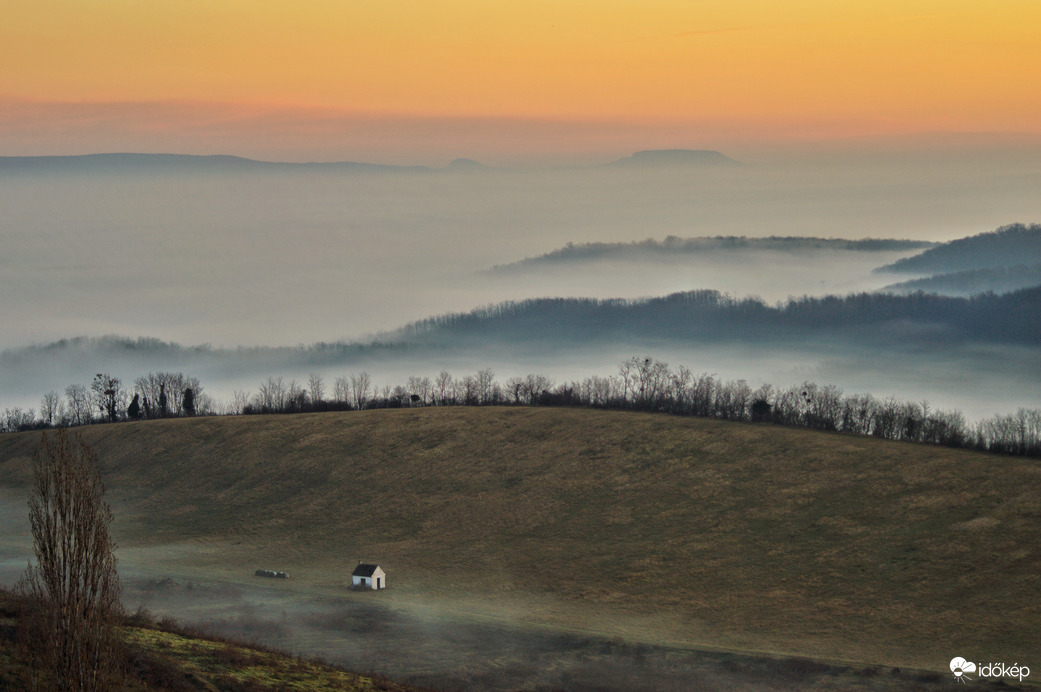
<point>649,526</point>
<point>178,661</point>
<point>222,665</point>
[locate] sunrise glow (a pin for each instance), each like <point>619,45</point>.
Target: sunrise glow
<point>753,69</point>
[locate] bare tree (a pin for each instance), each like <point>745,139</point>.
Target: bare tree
<point>535,386</point>
<point>296,397</point>
<point>443,387</point>
<point>74,579</point>
<point>360,387</point>
<point>342,390</point>
<point>15,419</point>
<point>239,401</point>
<point>485,386</point>
<point>156,387</point>
<point>272,395</point>
<point>316,389</point>
<point>419,389</point>
<point>109,395</point>
<point>514,386</point>
<point>79,411</point>
<point>50,407</point>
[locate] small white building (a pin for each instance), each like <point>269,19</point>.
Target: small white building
<point>367,576</point>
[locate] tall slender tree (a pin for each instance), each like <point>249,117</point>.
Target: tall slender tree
<point>74,580</point>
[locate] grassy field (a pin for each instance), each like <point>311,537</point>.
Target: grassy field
<point>647,527</point>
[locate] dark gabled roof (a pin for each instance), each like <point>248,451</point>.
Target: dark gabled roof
<point>364,570</point>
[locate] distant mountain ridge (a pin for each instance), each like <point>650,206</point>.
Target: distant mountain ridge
<point>675,158</point>
<point>103,162</point>
<point>708,316</point>
<point>222,163</point>
<point>673,246</point>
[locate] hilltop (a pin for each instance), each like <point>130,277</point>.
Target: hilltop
<point>644,526</point>
<point>1008,246</point>
<point>674,157</point>
<point>675,248</point>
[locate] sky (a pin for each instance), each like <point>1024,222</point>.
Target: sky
<point>423,82</point>
<point>806,92</point>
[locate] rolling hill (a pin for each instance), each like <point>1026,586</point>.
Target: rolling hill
<point>641,526</point>
<point>674,248</point>
<point>1007,246</point>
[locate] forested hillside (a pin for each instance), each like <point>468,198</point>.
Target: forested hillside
<point>1005,247</point>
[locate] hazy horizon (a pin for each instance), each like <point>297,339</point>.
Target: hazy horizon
<point>278,258</point>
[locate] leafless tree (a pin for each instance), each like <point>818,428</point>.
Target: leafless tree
<point>172,385</point>
<point>79,411</point>
<point>342,389</point>
<point>50,407</point>
<point>514,388</point>
<point>296,397</point>
<point>443,387</point>
<point>74,580</point>
<point>316,388</point>
<point>485,386</point>
<point>272,395</point>
<point>15,419</point>
<point>534,386</point>
<point>239,401</point>
<point>419,387</point>
<point>108,395</point>
<point>360,387</point>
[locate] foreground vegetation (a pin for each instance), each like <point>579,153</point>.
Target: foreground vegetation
<point>166,656</point>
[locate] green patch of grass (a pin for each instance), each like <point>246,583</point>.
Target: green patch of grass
<point>225,665</point>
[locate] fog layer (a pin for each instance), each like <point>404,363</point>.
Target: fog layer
<point>296,256</point>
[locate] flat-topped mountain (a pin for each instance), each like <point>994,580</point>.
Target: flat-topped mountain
<point>675,157</point>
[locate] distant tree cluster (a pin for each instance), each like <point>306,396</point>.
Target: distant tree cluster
<point>673,246</point>
<point>641,384</point>
<point>646,384</point>
<point>107,400</point>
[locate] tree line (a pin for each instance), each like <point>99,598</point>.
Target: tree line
<point>108,399</point>
<point>710,316</point>
<point>641,384</point>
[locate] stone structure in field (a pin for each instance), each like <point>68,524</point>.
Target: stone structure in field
<point>366,576</point>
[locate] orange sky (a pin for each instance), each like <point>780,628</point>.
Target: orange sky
<point>221,71</point>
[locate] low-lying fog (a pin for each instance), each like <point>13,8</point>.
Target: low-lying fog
<point>281,258</point>
<point>413,637</point>
<point>294,257</point>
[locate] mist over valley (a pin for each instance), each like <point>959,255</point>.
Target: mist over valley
<point>891,293</point>
<point>235,270</point>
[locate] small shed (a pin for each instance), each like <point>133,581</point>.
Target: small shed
<point>366,576</point>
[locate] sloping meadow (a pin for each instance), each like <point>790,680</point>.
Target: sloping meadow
<point>645,526</point>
